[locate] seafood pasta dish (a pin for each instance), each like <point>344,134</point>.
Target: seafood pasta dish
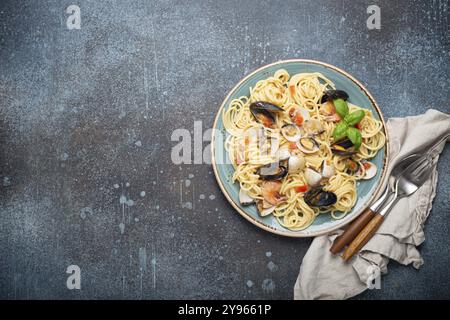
<point>299,147</point>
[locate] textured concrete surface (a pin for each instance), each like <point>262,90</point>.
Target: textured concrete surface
<point>85,123</point>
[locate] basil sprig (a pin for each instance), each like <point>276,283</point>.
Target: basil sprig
<point>345,128</point>
<point>355,136</point>
<point>341,107</point>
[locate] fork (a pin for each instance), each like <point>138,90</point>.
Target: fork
<point>409,181</point>
<point>363,219</point>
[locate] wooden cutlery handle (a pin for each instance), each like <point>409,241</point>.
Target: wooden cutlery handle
<point>363,237</point>
<point>352,231</point>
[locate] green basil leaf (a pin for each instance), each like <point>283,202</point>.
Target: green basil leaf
<point>354,117</point>
<point>355,137</point>
<point>341,107</point>
<point>340,131</point>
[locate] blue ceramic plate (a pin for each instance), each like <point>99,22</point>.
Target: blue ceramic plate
<point>324,223</point>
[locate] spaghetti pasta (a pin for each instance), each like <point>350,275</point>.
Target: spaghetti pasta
<point>253,143</point>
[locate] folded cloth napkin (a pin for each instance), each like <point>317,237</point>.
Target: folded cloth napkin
<point>326,276</point>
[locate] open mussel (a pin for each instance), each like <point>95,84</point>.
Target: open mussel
<point>344,148</point>
<point>328,111</point>
<point>265,112</point>
<point>330,95</point>
<point>317,197</point>
<point>273,172</point>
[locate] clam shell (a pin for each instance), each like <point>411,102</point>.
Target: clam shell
<point>369,172</point>
<point>283,153</point>
<point>262,211</point>
<point>244,198</point>
<point>295,164</point>
<point>312,177</point>
<point>303,145</point>
<point>291,132</point>
<point>327,170</point>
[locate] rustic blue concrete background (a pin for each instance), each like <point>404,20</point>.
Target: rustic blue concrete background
<point>85,123</point>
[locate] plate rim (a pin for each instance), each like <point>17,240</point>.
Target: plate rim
<point>302,233</point>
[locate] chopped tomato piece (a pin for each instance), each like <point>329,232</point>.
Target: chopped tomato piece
<point>366,165</point>
<point>291,112</point>
<point>247,140</point>
<point>358,126</point>
<point>292,145</point>
<point>302,188</point>
<point>298,119</point>
<point>352,165</point>
<point>292,90</point>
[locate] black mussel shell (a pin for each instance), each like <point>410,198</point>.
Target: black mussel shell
<point>273,172</point>
<point>333,94</point>
<point>344,148</point>
<point>265,109</point>
<point>262,105</point>
<point>317,197</point>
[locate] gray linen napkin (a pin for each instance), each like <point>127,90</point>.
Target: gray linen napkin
<point>325,276</point>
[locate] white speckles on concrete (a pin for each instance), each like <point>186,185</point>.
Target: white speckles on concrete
<point>272,266</point>
<point>249,283</point>
<point>191,176</point>
<point>202,196</point>
<point>85,211</point>
<point>212,197</point>
<point>268,286</point>
<point>138,143</point>
<point>142,194</point>
<point>122,199</point>
<point>187,205</point>
<point>122,227</point>
<point>127,184</point>
<point>268,254</point>
<point>116,186</point>
<point>6,181</point>
<point>64,156</point>
<point>187,183</point>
